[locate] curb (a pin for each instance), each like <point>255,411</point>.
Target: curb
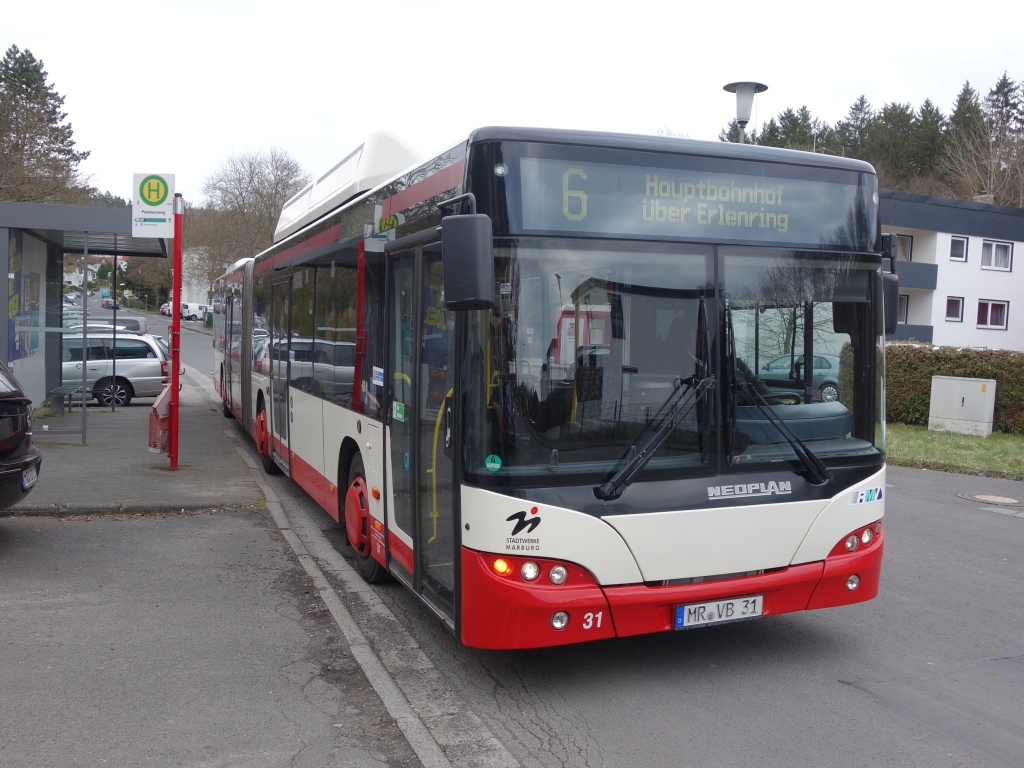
<point>117,508</point>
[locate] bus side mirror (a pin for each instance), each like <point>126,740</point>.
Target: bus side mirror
<point>890,301</point>
<point>467,247</point>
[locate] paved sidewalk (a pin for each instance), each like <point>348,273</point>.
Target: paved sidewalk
<point>116,473</point>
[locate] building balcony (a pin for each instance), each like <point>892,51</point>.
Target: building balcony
<point>922,333</point>
<point>917,274</point>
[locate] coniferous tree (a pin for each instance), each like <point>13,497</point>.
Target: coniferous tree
<point>976,152</point>
<point>927,143</point>
<point>967,117</point>
<point>853,131</point>
<point>887,143</point>
<point>38,159</point>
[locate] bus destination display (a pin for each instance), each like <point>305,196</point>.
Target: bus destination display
<point>561,196</point>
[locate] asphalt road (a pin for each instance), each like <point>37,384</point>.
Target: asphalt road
<point>931,673</point>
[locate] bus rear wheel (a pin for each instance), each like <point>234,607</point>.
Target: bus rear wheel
<point>225,408</point>
<point>357,524</point>
<point>261,432</point>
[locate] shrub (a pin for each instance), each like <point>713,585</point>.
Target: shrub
<point>909,368</point>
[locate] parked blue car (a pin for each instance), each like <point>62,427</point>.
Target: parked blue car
<point>780,374</point>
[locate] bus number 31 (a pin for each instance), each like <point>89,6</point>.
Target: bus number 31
<point>592,619</point>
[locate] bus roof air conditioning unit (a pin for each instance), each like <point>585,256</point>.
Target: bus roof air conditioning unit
<point>379,158</point>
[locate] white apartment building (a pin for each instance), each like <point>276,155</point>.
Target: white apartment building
<point>958,285</point>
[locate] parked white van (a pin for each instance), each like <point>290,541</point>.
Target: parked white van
<point>191,311</point>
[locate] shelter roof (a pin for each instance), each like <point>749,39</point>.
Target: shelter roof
<point>65,226</point>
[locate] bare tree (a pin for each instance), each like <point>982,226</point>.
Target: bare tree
<point>242,202</point>
<point>979,163</point>
<point>253,187</point>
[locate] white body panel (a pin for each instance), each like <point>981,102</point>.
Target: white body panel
<point>306,433</point>
<point>712,542</point>
<point>394,530</point>
<point>843,514</point>
<point>562,534</point>
<point>338,423</point>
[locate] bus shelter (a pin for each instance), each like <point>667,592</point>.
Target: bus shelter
<point>38,238</point>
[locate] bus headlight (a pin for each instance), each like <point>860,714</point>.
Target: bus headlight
<point>558,575</point>
<point>853,582</point>
<point>867,536</point>
<point>560,620</point>
<point>851,542</point>
<point>530,570</point>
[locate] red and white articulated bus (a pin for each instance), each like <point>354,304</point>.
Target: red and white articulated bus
<point>531,377</point>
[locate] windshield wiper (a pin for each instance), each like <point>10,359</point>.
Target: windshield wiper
<point>697,390</point>
<point>816,470</point>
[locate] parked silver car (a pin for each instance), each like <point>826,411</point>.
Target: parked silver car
<point>142,367</point>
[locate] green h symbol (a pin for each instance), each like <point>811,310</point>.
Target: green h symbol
<point>153,191</point>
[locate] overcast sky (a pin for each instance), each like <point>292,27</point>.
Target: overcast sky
<point>175,87</point>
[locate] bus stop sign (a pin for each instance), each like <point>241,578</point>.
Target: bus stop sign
<point>153,205</point>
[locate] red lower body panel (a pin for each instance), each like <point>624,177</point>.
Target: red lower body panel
<point>505,612</point>
<point>639,609</point>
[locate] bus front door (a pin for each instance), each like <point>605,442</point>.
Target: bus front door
<point>280,354</point>
<point>421,377</point>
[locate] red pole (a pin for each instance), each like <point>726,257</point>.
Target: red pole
<point>179,207</point>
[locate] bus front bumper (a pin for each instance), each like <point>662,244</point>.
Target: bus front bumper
<point>506,612</point>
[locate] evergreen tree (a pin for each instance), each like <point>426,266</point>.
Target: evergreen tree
<point>38,159</point>
<point>1003,110</point>
<point>771,135</point>
<point>927,142</point>
<point>108,200</point>
<point>731,132</point>
<point>852,133</point>
<point>888,142</point>
<point>966,117</point>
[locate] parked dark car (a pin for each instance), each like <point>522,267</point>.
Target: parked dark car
<point>780,374</point>
<point>19,459</point>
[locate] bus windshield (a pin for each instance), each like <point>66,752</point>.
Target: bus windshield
<point>590,341</point>
<point>802,334</point>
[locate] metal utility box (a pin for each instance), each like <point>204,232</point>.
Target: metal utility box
<point>962,405</point>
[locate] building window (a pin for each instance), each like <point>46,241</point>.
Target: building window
<point>903,308</point>
<point>955,309</point>
<point>997,255</point>
<point>904,247</point>
<point>958,249</point>
<point>993,314</point>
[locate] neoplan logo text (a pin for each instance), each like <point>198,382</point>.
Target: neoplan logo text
<point>749,490</point>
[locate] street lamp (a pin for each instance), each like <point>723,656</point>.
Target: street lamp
<point>744,101</point>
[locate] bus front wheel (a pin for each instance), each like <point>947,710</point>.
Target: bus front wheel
<point>357,524</point>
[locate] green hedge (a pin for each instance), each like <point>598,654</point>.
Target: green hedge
<point>909,368</point>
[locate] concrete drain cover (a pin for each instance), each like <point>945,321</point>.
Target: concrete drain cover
<point>982,498</point>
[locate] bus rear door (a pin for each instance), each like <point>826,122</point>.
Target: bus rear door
<point>280,354</point>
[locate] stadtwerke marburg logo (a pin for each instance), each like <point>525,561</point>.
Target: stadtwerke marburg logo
<point>522,523</point>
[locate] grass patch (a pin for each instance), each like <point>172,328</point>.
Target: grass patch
<point>998,455</point>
